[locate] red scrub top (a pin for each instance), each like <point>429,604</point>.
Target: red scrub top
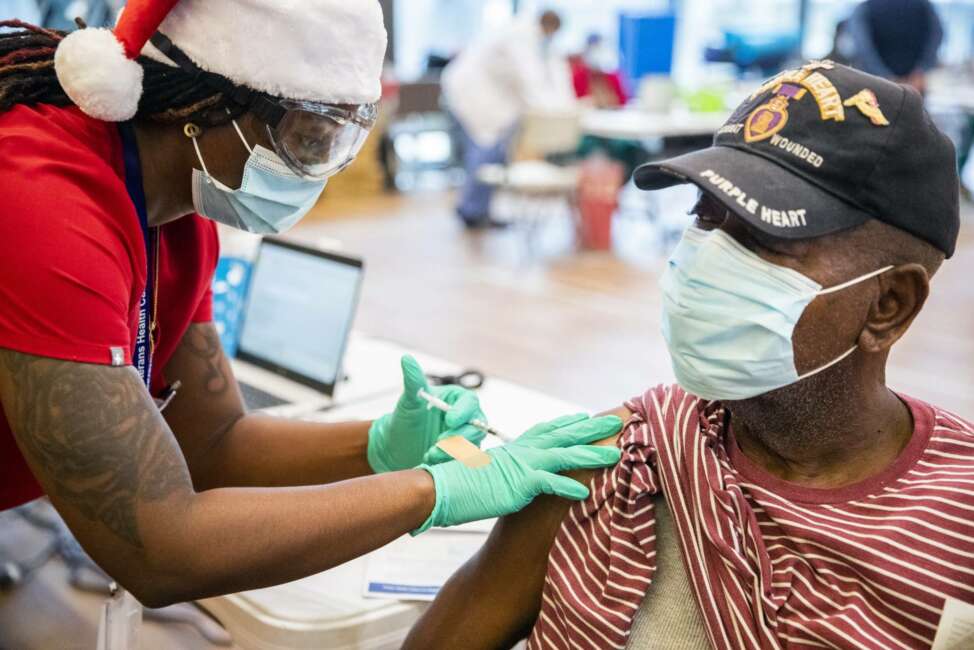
<point>73,259</point>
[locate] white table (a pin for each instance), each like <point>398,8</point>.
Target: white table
<point>950,90</point>
<point>959,98</point>
<point>636,124</point>
<point>328,610</point>
<point>371,366</point>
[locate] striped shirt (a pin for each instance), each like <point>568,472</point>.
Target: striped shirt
<point>771,564</point>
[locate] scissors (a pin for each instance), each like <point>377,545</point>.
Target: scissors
<point>469,379</point>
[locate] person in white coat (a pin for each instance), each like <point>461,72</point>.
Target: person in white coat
<point>488,88</point>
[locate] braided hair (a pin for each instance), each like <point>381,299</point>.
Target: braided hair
<point>170,94</point>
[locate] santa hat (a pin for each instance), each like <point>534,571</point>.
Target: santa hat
<point>328,51</point>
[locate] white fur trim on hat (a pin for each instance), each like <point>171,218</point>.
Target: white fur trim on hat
<point>318,50</point>
<point>97,76</point>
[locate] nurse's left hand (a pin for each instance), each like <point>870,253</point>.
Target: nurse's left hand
<point>407,437</point>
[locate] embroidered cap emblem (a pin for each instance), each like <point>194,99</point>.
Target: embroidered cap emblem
<point>771,117</point>
<point>865,100</point>
<point>811,79</point>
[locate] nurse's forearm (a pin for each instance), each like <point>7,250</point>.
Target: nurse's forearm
<point>225,541</point>
<point>226,447</point>
<point>114,471</point>
<point>260,451</point>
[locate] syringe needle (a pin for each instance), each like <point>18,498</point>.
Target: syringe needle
<point>437,403</point>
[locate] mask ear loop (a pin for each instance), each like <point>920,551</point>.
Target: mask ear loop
<point>240,133</point>
<point>855,281</point>
<point>192,131</point>
<point>829,365</point>
<point>840,287</point>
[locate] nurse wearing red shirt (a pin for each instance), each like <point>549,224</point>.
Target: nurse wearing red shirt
<point>117,158</point>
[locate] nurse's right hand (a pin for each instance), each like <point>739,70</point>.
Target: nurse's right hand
<point>521,471</point>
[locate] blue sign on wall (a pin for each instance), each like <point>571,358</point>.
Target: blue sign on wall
<point>646,44</point>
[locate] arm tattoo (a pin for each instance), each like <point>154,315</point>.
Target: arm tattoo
<point>204,343</point>
<point>96,434</point>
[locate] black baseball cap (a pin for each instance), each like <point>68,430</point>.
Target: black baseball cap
<point>824,148</point>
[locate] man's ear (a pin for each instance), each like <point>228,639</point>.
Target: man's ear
<point>902,294</point>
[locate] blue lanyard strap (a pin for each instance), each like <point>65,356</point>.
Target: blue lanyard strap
<point>142,353</point>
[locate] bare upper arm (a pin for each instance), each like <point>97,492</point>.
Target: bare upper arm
<point>94,439</point>
<point>209,403</point>
<point>494,599</point>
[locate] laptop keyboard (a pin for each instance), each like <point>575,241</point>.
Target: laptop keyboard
<point>256,399</point>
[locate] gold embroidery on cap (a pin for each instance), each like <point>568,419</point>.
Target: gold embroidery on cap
<point>808,77</point>
<point>795,76</point>
<point>828,98</point>
<point>823,64</point>
<point>771,117</point>
<point>865,100</point>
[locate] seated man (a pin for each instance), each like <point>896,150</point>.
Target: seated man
<point>807,505</point>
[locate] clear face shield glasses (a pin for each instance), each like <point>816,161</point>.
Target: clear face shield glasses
<point>316,140</point>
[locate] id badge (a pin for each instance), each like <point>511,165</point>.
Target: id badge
<point>120,622</point>
<point>168,396</point>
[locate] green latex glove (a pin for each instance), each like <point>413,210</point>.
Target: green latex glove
<point>521,471</point>
<point>407,437</point>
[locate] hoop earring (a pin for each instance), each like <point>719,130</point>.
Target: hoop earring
<point>193,131</point>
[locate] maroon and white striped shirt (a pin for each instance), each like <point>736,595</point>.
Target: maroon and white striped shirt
<point>772,565</point>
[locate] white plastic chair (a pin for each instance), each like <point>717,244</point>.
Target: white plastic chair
<point>532,189</point>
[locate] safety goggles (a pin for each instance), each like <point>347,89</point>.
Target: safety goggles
<point>316,140</point>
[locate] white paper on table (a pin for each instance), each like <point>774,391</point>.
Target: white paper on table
<point>956,629</point>
<point>416,568</point>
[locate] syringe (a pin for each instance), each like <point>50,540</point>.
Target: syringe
<point>437,403</point>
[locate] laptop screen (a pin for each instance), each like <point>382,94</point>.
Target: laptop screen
<point>299,312</point>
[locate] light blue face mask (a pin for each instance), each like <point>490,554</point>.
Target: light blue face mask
<point>729,317</point>
<point>271,200</point>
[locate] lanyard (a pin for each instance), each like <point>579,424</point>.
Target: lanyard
<point>144,344</point>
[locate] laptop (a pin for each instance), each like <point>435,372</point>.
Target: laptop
<point>296,325</point>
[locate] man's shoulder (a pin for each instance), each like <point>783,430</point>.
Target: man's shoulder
<point>933,498</point>
<point>948,420</point>
<point>951,440</point>
<point>939,465</point>
<point>666,416</point>
<point>664,401</point>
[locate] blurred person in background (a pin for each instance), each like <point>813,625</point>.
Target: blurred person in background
<point>595,75</point>
<point>896,39</point>
<point>843,46</point>
<point>490,85</point>
<point>599,83</point>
